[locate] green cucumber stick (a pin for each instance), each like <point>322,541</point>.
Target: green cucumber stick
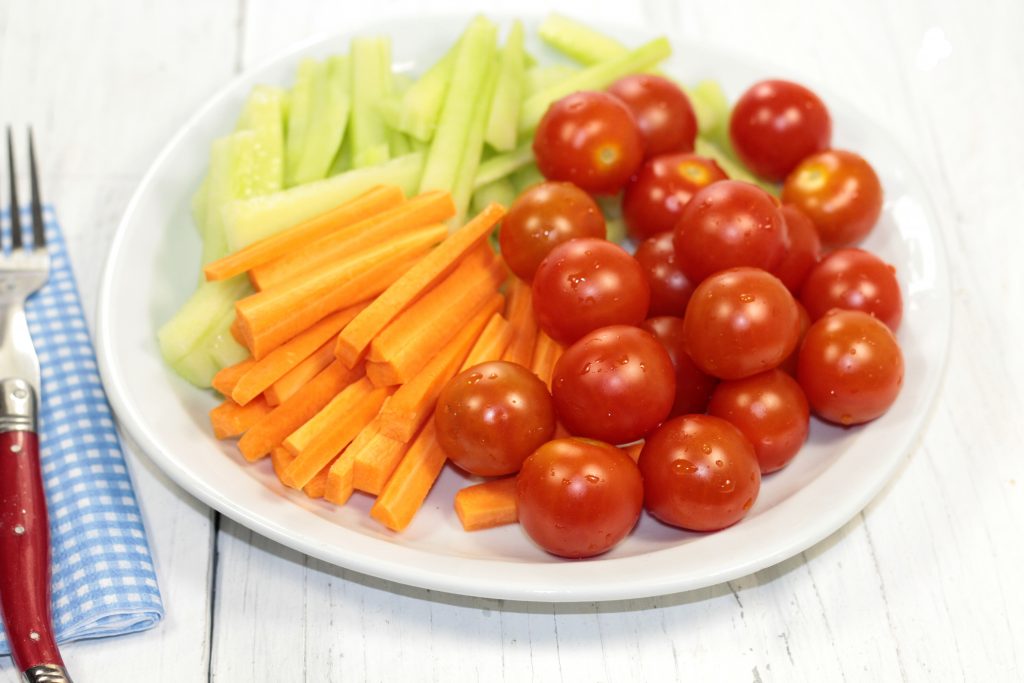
<point>502,122</point>
<point>472,62</point>
<point>501,191</point>
<point>594,77</point>
<point>733,168</point>
<point>263,114</point>
<point>231,174</point>
<point>370,82</point>
<point>198,204</point>
<point>578,42</point>
<point>527,176</point>
<point>327,122</point>
<point>299,105</point>
<point>709,101</point>
<point>462,188</point>
<point>502,165</point>
<point>421,103</point>
<point>202,310</point>
<point>541,77</point>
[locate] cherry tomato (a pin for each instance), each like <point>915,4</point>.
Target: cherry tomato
<point>839,192</point>
<point>693,387</point>
<point>854,280</point>
<point>543,217</point>
<point>776,124</point>
<point>726,224</point>
<point>590,139</point>
<point>699,472</point>
<point>802,251</point>
<point>789,365</point>
<point>578,498</point>
<point>850,368</point>
<point>662,111</point>
<point>614,384</point>
<point>771,411</point>
<point>740,322</point>
<point>670,290</point>
<point>587,283</point>
<point>490,417</point>
<point>656,195</point>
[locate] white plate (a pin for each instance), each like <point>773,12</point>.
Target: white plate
<point>153,265</point>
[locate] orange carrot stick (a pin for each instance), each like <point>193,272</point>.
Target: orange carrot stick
<point>357,335</point>
<point>339,486</point>
<point>411,482</point>
<point>231,419</point>
<point>294,309</point>
<point>546,352</point>
<point>519,311</point>
<point>284,388</point>
<point>226,378</point>
<point>633,450</point>
<point>414,401</point>
<point>374,462</point>
<point>286,357</point>
<point>487,505</point>
<point>317,486</point>
<point>369,203</point>
<point>236,332</point>
<point>406,362</point>
<point>269,432</point>
<point>351,410</point>
<point>491,343</point>
<point>426,209</point>
<point>280,458</point>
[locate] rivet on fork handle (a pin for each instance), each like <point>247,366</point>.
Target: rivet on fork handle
<point>17,406</point>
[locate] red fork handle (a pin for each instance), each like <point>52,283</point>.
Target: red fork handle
<point>25,553</point>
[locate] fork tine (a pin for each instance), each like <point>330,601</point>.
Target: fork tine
<point>15,206</point>
<point>38,229</point>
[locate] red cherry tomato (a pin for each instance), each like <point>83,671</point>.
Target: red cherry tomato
<point>776,124</point>
<point>670,290</point>
<point>771,411</point>
<point>662,111</point>
<point>850,368</point>
<point>740,322</point>
<point>614,384</point>
<point>584,284</point>
<point>726,224</point>
<point>591,140</point>
<point>839,192</point>
<point>802,252</point>
<point>699,472</point>
<point>543,217</point>
<point>578,498</point>
<point>656,195</point>
<point>789,365</point>
<point>854,280</point>
<point>693,387</point>
<point>490,417</point>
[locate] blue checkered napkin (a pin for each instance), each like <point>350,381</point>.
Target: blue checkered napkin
<point>103,578</point>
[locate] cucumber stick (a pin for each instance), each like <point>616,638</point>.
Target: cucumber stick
<point>300,104</point>
<point>420,106</point>
<point>711,107</point>
<point>733,168</point>
<point>371,82</point>
<point>502,122</point>
<point>501,191</point>
<point>252,219</point>
<point>540,77</point>
<point>462,188</point>
<point>213,350</point>
<point>527,176</point>
<point>327,121</point>
<point>502,165</point>
<point>231,176</point>
<point>596,77</point>
<point>178,336</point>
<point>263,114</point>
<point>474,58</point>
<point>578,42</point>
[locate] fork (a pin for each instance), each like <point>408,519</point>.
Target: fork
<point>24,529</point>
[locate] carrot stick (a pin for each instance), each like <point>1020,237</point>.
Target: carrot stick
<point>406,362</point>
<point>414,401</point>
<point>487,505</point>
<point>357,335</point>
<point>317,486</point>
<point>519,312</point>
<point>231,419</point>
<point>236,332</point>
<point>284,358</point>
<point>491,343</point>
<point>369,203</point>
<point>374,462</point>
<point>269,432</point>
<point>633,450</point>
<point>361,288</point>
<point>294,379</point>
<point>339,486</point>
<point>226,378</point>
<point>411,482</point>
<point>546,352</point>
<point>426,209</point>
<point>280,458</point>
<point>350,411</point>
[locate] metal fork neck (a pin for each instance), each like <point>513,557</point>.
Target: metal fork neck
<point>17,406</point>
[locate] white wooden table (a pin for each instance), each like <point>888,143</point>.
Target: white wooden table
<point>924,585</point>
